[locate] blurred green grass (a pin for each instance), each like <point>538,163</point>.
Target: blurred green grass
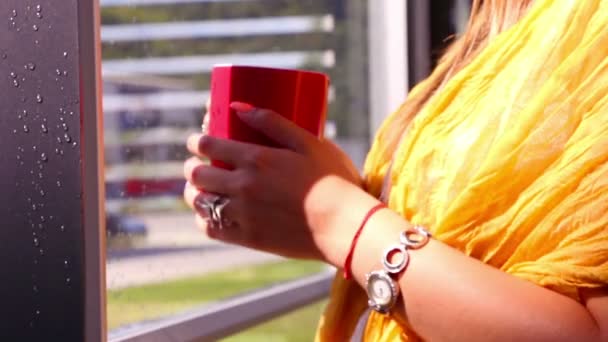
<point>136,304</point>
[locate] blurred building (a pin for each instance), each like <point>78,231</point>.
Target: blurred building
<point>158,55</point>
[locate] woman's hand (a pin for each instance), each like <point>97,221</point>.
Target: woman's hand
<point>282,200</point>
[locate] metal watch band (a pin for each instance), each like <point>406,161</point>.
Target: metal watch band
<point>381,286</point>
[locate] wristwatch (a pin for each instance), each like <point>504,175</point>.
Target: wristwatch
<point>381,285</point>
<point>382,289</point>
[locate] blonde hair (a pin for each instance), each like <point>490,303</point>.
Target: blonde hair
<point>488,18</point>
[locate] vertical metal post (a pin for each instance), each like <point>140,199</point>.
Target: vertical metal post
<point>356,67</point>
<point>93,203</point>
<point>388,58</point>
<point>51,207</point>
<point>419,39</point>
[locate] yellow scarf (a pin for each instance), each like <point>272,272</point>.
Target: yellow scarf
<point>508,163</point>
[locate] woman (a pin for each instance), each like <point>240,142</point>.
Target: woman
<point>502,154</point>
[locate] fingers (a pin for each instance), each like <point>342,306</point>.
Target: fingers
<point>233,233</point>
<point>191,193</point>
<point>228,151</point>
<point>206,227</point>
<point>199,201</point>
<point>209,178</point>
<point>276,127</point>
<point>225,235</point>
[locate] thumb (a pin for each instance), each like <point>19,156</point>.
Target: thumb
<point>274,126</point>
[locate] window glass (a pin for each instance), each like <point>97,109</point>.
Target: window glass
<point>157,57</point>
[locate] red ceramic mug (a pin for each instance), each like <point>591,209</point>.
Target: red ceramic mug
<point>299,95</point>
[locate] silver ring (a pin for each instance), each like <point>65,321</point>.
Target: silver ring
<point>218,206</point>
<point>415,238</point>
<point>214,205</point>
<point>395,267</point>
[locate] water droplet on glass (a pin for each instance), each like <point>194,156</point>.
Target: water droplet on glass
<point>74,144</point>
<point>37,312</point>
<point>67,138</point>
<point>36,242</point>
<point>35,148</point>
<point>35,288</point>
<point>35,27</point>
<point>26,129</point>
<point>65,72</point>
<point>40,175</point>
<point>42,193</point>
<point>34,207</point>
<point>59,184</point>
<point>39,98</point>
<point>58,72</point>
<point>44,128</point>
<point>65,54</point>
<point>71,113</point>
<point>62,228</point>
<point>15,131</point>
<point>19,117</point>
<point>24,112</point>
<point>14,13</point>
<point>41,251</point>
<point>16,83</point>
<point>13,74</point>
<point>65,126</point>
<point>18,157</point>
<point>39,15</point>
<point>38,8</point>
<point>66,263</point>
<point>42,218</point>
<point>43,157</point>
<point>68,280</point>
<point>59,140</point>
<point>31,66</point>
<point>4,56</point>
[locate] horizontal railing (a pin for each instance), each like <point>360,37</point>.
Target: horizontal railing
<point>217,28</point>
<point>231,316</point>
<point>116,3</point>
<point>197,64</point>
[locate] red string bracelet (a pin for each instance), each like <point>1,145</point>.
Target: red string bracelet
<point>349,256</point>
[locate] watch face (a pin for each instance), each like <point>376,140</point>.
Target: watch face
<point>380,289</point>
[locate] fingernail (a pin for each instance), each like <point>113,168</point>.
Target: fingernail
<point>190,194</point>
<point>193,141</point>
<point>241,107</point>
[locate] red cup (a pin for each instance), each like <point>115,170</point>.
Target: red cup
<point>300,96</point>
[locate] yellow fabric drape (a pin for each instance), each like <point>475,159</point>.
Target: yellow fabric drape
<point>508,163</point>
